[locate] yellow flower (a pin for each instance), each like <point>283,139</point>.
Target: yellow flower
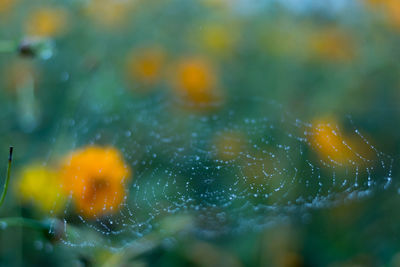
<point>46,22</point>
<point>145,65</point>
<point>331,45</point>
<point>41,186</point>
<point>196,83</point>
<point>95,177</point>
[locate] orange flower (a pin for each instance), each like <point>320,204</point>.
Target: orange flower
<point>95,177</point>
<point>145,66</point>
<point>332,146</point>
<point>47,22</point>
<point>196,83</point>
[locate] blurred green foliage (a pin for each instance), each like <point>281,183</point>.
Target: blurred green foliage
<point>93,59</point>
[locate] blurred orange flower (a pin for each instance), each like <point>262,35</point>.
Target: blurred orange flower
<point>332,146</point>
<point>196,83</point>
<point>95,177</point>
<point>46,22</point>
<point>332,45</point>
<point>145,65</point>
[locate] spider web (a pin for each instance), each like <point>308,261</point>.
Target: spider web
<point>264,167</point>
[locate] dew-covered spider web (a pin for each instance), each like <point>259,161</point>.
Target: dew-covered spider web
<point>227,169</point>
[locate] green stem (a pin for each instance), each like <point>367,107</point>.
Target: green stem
<point>3,194</point>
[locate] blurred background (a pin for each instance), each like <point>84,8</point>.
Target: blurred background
<point>200,132</point>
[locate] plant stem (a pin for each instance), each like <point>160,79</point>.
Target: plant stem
<point>3,194</point>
